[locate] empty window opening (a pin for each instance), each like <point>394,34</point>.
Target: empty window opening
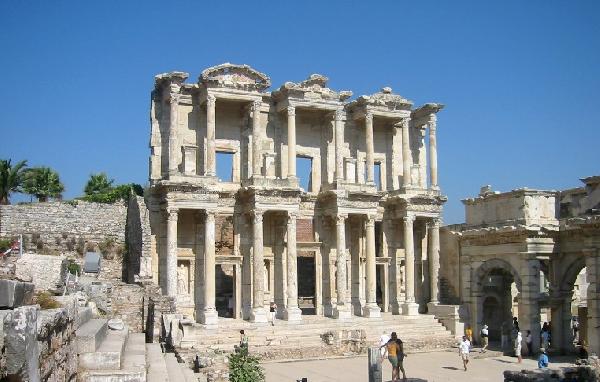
<point>377,175</point>
<point>304,172</point>
<point>225,166</point>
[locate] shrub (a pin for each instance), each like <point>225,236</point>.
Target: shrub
<point>107,247</point>
<point>245,368</point>
<point>73,267</point>
<point>5,244</point>
<point>46,301</point>
<point>80,246</point>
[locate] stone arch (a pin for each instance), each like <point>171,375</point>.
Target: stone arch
<point>489,265</point>
<point>569,276</point>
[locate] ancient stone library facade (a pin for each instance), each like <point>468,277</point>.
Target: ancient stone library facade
<point>361,237</point>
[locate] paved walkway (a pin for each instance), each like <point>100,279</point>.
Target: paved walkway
<point>420,367</point>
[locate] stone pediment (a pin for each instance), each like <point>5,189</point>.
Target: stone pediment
<point>241,77</point>
<point>384,99</point>
<point>312,88</point>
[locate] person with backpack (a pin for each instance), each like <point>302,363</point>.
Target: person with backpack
<point>392,349</point>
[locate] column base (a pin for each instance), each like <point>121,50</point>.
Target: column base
<point>209,317</point>
<point>431,305</point>
<point>410,309</point>
<point>371,311</point>
<point>396,307</point>
<point>342,312</point>
<point>328,309</point>
<point>259,315</point>
<point>292,314</point>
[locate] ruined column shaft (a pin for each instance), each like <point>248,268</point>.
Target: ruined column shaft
<point>339,145</point>
<point>369,147</point>
<point>406,162</point>
<point>256,141</point>
<point>171,263</point>
<point>341,260</point>
<point>258,313</point>
<point>371,308</point>
<point>209,262</point>
<point>173,123</point>
<point>210,167</point>
<point>409,259</point>
<point>292,312</point>
<point>433,175</point>
<point>291,121</point>
<point>434,259</point>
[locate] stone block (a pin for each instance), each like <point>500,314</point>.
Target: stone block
<point>90,335</point>
<point>92,262</point>
<point>20,341</point>
<point>15,293</point>
<point>45,272</point>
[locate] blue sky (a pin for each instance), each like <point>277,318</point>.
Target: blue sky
<point>520,79</point>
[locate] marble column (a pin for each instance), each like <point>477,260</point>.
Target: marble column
<point>258,314</point>
<point>210,165</point>
<point>291,125</point>
<point>256,139</point>
<point>371,309</point>
<point>433,175</point>
<point>209,313</point>
<point>173,124</point>
<point>171,263</point>
<point>292,312</point>
<point>339,146</point>
<point>409,307</point>
<point>406,162</point>
<point>434,260</point>
<point>369,146</point>
<point>341,310</point>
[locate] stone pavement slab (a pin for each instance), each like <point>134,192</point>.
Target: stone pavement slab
<point>420,367</point>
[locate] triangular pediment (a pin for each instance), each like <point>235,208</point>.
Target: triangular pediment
<point>235,76</point>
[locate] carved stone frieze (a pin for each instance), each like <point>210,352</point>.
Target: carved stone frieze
<point>241,77</point>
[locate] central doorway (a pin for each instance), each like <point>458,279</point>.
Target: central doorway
<point>306,283</point>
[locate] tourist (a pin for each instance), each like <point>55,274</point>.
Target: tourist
<point>392,349</point>
<point>484,338</point>
<point>529,342</point>
<point>518,342</point>
<point>463,351</point>
<point>243,342</point>
<point>383,339</point>
<point>401,356</point>
<point>469,333</point>
<point>545,336</point>
<point>516,324</point>
<point>543,359</point>
<point>272,310</point>
<point>575,328</point>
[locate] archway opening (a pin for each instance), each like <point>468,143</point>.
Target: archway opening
<point>499,294</point>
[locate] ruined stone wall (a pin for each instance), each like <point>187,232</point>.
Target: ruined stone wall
<point>450,264</point>
<point>137,235</point>
<point>64,226</point>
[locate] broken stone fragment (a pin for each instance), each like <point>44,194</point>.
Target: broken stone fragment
<point>116,324</point>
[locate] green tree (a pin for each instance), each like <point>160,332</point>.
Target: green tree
<point>98,184</point>
<point>11,178</point>
<point>43,183</point>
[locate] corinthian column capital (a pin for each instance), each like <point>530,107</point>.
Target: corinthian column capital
<point>369,117</point>
<point>255,107</point>
<point>291,110</point>
<point>339,114</point>
<point>211,100</point>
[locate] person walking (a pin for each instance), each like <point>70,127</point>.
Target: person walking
<point>272,310</point>
<point>529,343</point>
<point>545,337</point>
<point>543,359</point>
<point>401,356</point>
<point>575,328</point>
<point>484,338</point>
<point>518,342</point>
<point>391,350</point>
<point>383,339</point>
<point>469,333</point>
<point>463,351</point>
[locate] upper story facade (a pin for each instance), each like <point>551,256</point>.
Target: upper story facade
<point>369,143</point>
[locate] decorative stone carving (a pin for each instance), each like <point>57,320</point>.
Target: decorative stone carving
<point>241,77</point>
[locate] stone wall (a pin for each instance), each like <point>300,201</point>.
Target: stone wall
<point>64,226</point>
<point>137,236</point>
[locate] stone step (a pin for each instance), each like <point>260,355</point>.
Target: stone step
<point>157,368</point>
<point>135,352</point>
<point>173,368</point>
<point>84,315</point>
<point>109,355</point>
<point>113,376</point>
<point>90,335</point>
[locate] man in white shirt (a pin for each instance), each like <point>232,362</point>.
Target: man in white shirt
<point>484,338</point>
<point>463,351</point>
<point>382,341</point>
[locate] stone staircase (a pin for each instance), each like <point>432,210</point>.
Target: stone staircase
<point>119,356</point>
<point>422,332</point>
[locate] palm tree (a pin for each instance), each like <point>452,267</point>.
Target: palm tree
<point>98,184</point>
<point>11,178</point>
<point>43,183</point>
